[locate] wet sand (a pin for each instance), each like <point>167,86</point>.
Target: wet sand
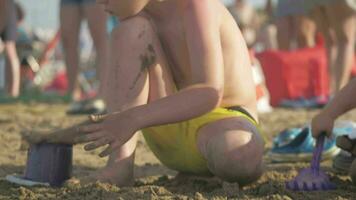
<point>153,181</point>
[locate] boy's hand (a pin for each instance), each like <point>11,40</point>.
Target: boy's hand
<point>322,123</point>
<point>114,130</point>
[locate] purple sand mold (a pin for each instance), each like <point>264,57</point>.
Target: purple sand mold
<point>49,163</point>
<point>312,178</point>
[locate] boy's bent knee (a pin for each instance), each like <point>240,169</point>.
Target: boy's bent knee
<point>239,161</point>
<point>242,171</point>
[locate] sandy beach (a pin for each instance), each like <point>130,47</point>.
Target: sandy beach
<point>153,181</point>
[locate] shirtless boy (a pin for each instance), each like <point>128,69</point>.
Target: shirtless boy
<point>180,72</point>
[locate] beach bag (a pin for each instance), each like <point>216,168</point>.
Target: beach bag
<point>295,74</point>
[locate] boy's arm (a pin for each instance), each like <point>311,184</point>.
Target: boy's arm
<point>201,25</point>
<point>61,136</point>
<point>341,103</point>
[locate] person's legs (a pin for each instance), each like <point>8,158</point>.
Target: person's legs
<point>285,27</point>
<point>9,36</point>
<point>323,23</point>
<point>267,36</point>
<point>97,17</point>
<point>343,22</point>
<point>131,82</point>
<point>233,149</point>
<point>70,20</point>
<point>3,5</point>
<point>306,31</point>
<point>13,69</point>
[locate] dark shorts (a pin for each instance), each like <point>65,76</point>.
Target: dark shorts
<point>290,8</point>
<point>310,4</point>
<point>76,2</point>
<point>10,30</point>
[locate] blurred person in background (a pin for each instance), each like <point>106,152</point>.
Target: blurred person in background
<point>336,19</point>
<point>295,29</point>
<point>267,34</point>
<point>20,15</point>
<point>2,14</point>
<point>72,12</point>
<point>8,37</point>
<point>247,19</point>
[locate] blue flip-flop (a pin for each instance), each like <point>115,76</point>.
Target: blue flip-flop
<point>297,144</point>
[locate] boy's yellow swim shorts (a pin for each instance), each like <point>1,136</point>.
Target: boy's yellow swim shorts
<point>175,145</point>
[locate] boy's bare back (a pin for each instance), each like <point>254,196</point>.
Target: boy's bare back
<point>238,81</point>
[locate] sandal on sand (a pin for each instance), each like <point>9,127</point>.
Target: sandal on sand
<point>295,145</point>
<point>87,107</point>
<point>342,162</point>
<point>345,143</point>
